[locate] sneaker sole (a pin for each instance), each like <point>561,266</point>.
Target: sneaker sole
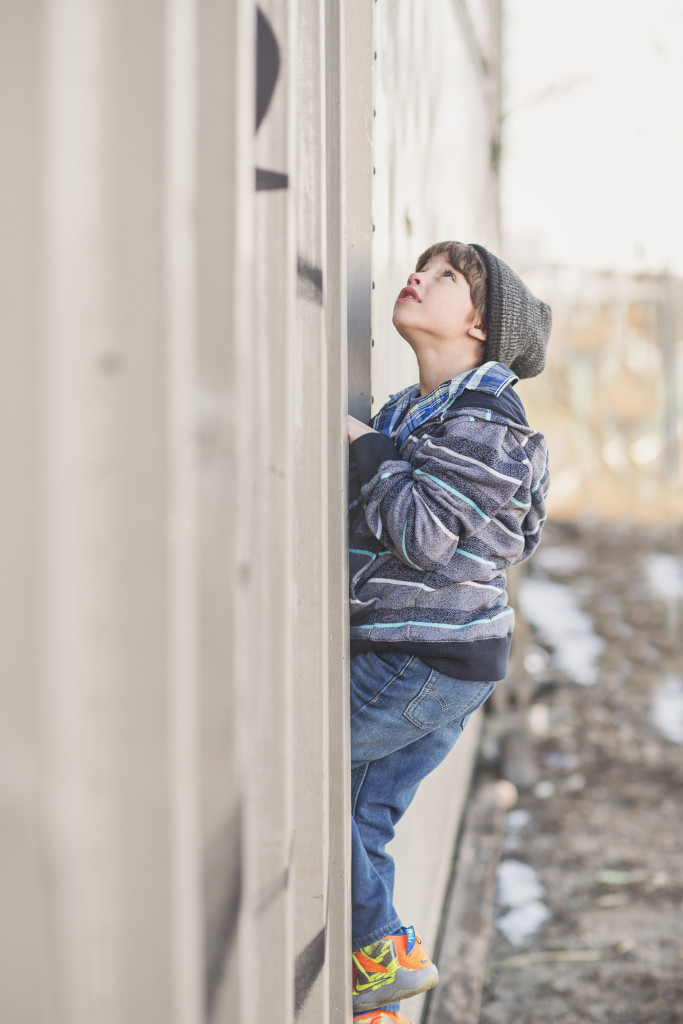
<point>405,984</point>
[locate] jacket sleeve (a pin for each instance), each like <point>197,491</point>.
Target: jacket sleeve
<point>452,486</point>
<point>532,524</point>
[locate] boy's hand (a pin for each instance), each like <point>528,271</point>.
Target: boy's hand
<point>355,428</point>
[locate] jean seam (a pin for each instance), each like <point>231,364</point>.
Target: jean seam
<point>416,701</point>
<point>397,675</point>
<point>359,785</point>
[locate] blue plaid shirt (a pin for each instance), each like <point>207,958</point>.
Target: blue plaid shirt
<point>405,410</point>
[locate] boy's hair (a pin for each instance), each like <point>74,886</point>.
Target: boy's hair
<point>469,262</point>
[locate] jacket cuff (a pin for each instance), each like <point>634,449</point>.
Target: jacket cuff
<point>369,451</point>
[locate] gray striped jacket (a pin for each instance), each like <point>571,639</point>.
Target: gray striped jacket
<point>434,526</point>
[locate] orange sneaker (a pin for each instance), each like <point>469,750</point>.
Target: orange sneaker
<point>381,1017</point>
<point>390,969</point>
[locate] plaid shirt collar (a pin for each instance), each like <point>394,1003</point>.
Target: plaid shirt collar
<point>405,410</point>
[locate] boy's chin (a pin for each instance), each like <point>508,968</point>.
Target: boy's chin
<point>404,334</point>
<point>402,327</point>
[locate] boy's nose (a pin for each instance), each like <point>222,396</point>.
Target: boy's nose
<point>415,278</point>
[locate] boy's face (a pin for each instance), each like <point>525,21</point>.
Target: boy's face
<point>436,305</point>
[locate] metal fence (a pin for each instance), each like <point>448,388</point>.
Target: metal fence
<point>186,207</point>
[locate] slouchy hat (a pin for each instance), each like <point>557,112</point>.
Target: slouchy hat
<point>517,323</point>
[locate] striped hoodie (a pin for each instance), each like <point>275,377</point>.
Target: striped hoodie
<point>435,523</point>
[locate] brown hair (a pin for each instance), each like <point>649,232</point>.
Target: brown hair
<point>467,260</point>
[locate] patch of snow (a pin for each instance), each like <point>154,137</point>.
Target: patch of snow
<point>517,884</point>
<point>667,708</point>
<point>515,821</point>
<point>553,610</point>
<point>536,660</point>
<point>519,924</point>
<point>664,576</point>
<point>545,789</point>
<point>519,889</point>
<point>560,560</point>
<point>538,719</point>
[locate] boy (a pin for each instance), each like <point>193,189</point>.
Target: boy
<point>447,490</point>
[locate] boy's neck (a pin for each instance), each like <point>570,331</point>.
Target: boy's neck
<point>434,372</point>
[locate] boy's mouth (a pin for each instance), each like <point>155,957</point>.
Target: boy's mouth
<point>409,294</point>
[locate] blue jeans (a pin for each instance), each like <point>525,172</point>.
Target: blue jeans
<point>405,718</point>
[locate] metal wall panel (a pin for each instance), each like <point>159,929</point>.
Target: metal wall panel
<point>25,947</point>
<point>227,443</point>
<point>270,409</point>
<point>311,846</point>
<point>181,328</point>
<point>360,118</point>
<point>174,564</point>
<point>184,181</point>
<point>336,219</point>
<point>435,158</point>
<point>109,567</point>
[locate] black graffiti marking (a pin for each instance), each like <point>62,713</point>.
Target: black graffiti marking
<point>267,73</point>
<point>309,964</point>
<point>267,65</point>
<point>309,281</point>
<point>310,961</point>
<point>269,181</point>
<point>224,877</point>
<point>275,889</point>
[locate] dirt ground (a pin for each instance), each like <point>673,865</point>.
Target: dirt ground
<point>598,828</point>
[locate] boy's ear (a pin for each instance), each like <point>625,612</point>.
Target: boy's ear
<point>477,332</point>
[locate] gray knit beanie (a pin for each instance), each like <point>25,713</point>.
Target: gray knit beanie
<point>517,323</point>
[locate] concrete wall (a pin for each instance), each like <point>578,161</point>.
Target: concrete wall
<point>175,284</point>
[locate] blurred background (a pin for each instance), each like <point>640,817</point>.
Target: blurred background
<point>588,890</point>
<point>591,203</point>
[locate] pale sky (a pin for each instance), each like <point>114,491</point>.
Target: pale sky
<point>593,132</point>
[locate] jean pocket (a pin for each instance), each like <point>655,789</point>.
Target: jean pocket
<point>442,699</point>
<point>374,676</point>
